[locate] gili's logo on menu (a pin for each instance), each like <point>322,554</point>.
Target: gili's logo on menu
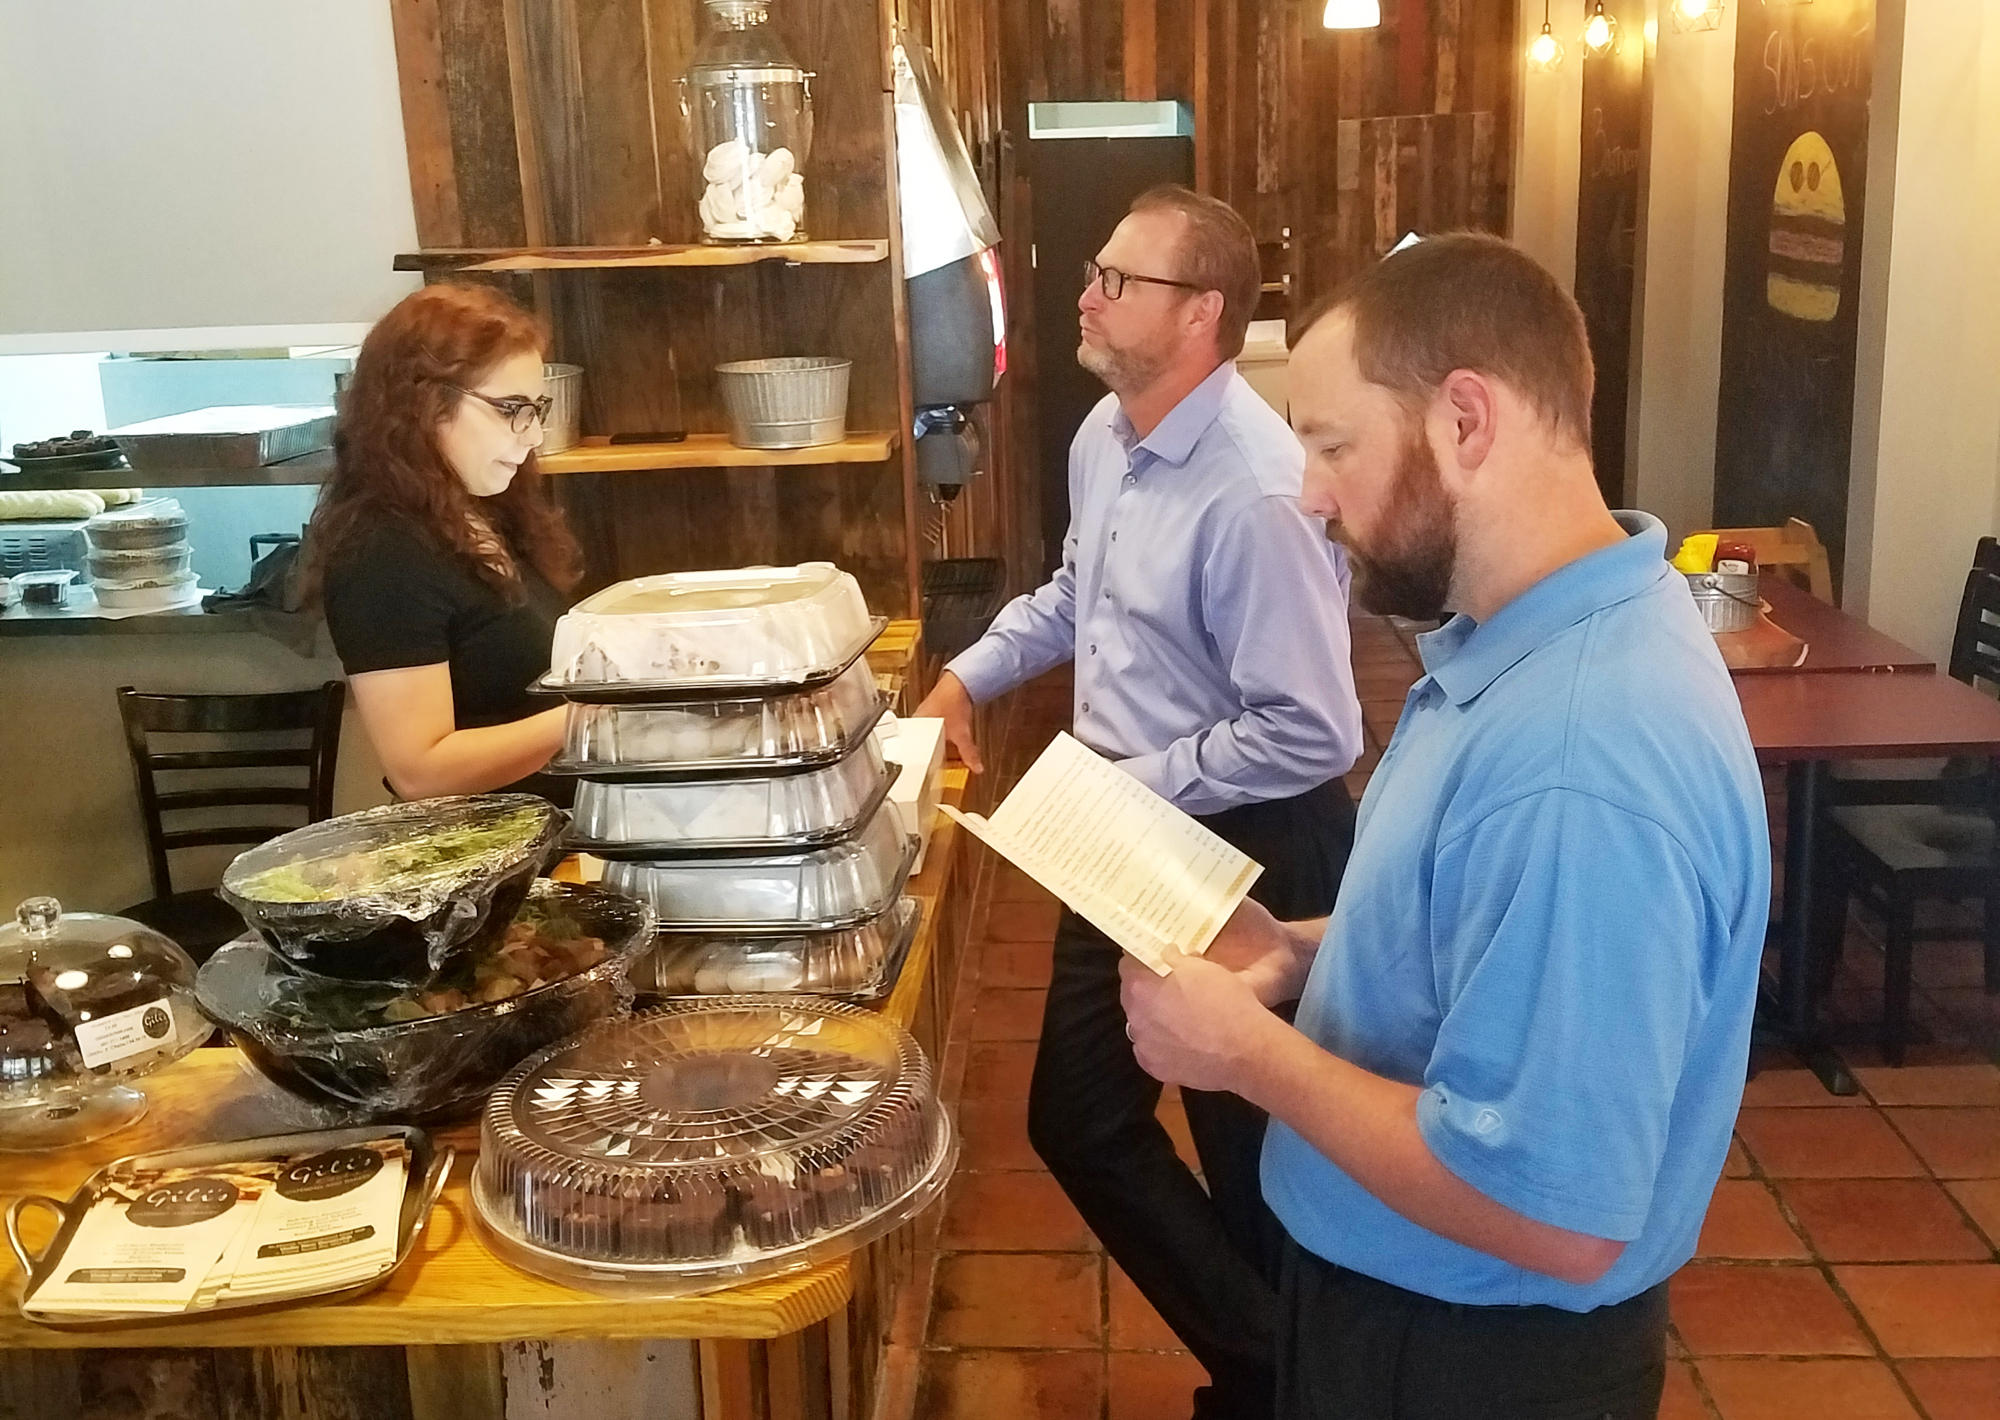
<point>182,1204</point>
<point>328,1175</point>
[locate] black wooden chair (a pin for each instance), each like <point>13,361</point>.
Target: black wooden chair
<point>296,733</point>
<point>1894,842</point>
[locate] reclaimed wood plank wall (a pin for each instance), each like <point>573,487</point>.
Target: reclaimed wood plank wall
<point>1283,113</point>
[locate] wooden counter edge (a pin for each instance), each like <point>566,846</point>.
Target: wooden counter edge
<point>389,1317</point>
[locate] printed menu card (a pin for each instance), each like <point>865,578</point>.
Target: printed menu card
<point>185,1239</point>
<point>1124,859</point>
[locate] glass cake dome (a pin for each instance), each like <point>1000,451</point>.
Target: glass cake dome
<point>87,1003</point>
<point>710,1143</point>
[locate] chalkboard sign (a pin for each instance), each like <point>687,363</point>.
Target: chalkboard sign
<point>1607,225</point>
<point>1792,279</point>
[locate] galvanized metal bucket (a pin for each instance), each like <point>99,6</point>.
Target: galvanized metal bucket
<point>1729,601</point>
<point>794,402</point>
<point>563,429</point>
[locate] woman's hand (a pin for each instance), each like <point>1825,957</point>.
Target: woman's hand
<point>408,714</point>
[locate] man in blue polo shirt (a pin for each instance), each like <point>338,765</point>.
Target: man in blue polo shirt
<point>1521,1038</point>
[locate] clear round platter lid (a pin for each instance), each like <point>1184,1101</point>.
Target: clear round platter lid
<point>709,1143</point>
<point>87,1001</point>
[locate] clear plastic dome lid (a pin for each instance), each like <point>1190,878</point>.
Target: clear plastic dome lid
<point>85,997</point>
<point>706,1143</point>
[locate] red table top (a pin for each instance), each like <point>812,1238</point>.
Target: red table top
<point>1797,716</point>
<point>1834,640</point>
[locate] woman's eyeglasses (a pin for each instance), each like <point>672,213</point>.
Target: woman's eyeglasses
<point>1112,280</point>
<point>518,410</point>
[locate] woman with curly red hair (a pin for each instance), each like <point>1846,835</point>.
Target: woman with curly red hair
<point>435,552</point>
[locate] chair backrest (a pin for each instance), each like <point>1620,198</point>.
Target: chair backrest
<point>307,724</point>
<point>1975,645</point>
<point>1793,550</point>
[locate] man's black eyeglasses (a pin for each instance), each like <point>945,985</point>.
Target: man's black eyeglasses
<point>1112,280</point>
<point>517,410</point>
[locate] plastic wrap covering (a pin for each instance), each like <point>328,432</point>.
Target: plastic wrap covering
<point>823,890</point>
<point>691,631</point>
<point>770,733</point>
<point>769,813</point>
<point>369,1049</point>
<point>862,962</point>
<point>87,1002</point>
<point>710,1143</point>
<point>390,893</point>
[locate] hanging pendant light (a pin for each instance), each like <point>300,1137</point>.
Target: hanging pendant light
<point>1352,14</point>
<point>1693,15</point>
<point>1545,53</point>
<point>1600,33</point>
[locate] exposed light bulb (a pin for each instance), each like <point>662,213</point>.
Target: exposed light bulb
<point>1546,53</point>
<point>1693,16</point>
<point>1600,32</point>
<point>1352,14</point>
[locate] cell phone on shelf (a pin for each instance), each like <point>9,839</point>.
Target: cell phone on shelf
<point>651,436</point>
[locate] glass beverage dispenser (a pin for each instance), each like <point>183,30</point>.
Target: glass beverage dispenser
<point>748,108</point>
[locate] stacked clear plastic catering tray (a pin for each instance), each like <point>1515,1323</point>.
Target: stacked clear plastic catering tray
<point>721,727</point>
<point>710,1143</point>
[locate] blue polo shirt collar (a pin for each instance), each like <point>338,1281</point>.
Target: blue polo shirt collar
<point>1464,656</point>
<point>1173,438</point>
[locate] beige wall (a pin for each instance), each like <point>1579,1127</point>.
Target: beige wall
<point>1927,399</point>
<point>1684,211</point>
<point>1925,481</point>
<point>1548,140</point>
<point>69,811</point>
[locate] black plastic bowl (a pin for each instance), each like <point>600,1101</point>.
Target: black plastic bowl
<point>403,932</point>
<point>435,1068</point>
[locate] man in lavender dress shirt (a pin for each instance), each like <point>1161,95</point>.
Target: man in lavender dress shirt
<point>1206,616</point>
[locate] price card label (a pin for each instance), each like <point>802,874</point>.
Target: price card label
<point>109,1039</point>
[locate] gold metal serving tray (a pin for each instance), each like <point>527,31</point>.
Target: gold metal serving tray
<point>428,1169</point>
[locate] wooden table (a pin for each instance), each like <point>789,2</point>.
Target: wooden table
<point>454,1291</point>
<point>1808,723</point>
<point>1834,640</point>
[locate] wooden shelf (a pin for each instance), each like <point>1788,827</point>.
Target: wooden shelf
<point>306,468</point>
<point>612,258</point>
<point>597,455</point>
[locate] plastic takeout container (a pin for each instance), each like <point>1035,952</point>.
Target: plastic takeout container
<point>766,733</point>
<point>861,963</point>
<point>391,892</point>
<point>140,564</point>
<point>821,890</point>
<point>155,522</point>
<point>44,588</point>
<point>710,1143</point>
<point>146,595</point>
<point>764,814</point>
<point>749,629</point>
<point>355,1047</point>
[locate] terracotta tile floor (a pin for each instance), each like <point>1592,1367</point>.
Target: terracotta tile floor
<point>1849,1268</point>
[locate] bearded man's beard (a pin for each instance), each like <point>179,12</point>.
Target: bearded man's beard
<point>1407,572</point>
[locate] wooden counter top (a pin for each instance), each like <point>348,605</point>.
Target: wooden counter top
<point>454,1290</point>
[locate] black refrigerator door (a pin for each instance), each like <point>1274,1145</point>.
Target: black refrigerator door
<point>1082,188</point>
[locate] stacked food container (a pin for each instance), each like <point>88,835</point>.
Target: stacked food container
<point>139,557</point>
<point>720,726</point>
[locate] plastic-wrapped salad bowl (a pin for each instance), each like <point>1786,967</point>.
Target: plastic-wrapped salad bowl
<point>377,1052</point>
<point>390,893</point>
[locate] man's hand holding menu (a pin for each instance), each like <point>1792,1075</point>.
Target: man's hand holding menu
<point>1138,869</point>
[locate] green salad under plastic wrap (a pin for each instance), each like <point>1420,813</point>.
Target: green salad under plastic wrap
<point>393,865</point>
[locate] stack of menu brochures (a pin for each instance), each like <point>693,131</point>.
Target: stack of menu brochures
<point>168,1240</point>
